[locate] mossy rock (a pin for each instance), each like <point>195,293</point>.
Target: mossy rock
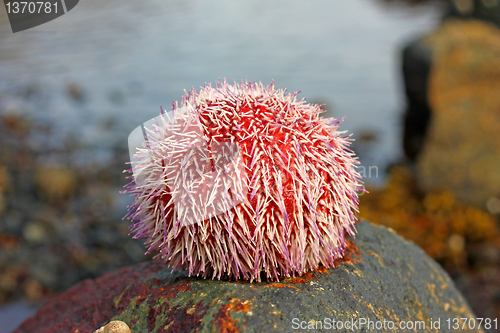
<point>382,278</point>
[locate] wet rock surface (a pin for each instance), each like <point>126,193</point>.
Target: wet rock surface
<point>382,277</point>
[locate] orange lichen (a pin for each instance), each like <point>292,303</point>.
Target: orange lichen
<point>223,320</point>
<point>436,221</point>
<point>352,254</point>
<point>281,285</point>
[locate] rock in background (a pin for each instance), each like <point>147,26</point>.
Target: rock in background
<point>382,277</point>
<point>450,201</point>
<point>417,61</point>
<point>484,10</point>
<point>452,123</point>
<point>462,147</point>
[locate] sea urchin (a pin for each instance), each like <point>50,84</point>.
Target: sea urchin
<point>244,179</point>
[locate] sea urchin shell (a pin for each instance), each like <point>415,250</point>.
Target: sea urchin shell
<point>244,179</point>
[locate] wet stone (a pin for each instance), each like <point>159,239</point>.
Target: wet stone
<point>382,277</point>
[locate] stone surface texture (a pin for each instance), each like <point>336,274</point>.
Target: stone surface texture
<point>382,277</point>
<point>462,146</point>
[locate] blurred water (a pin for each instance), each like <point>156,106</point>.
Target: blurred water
<point>130,57</point>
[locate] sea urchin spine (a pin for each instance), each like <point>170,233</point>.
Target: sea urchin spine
<point>244,179</point>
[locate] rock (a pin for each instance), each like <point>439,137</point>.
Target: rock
<point>35,233</point>
<point>485,10</point>
<point>4,185</point>
<point>417,61</point>
<point>4,178</point>
<point>493,205</point>
<point>55,184</point>
<point>462,146</point>
<point>115,326</point>
<point>14,123</point>
<point>3,203</point>
<point>382,277</point>
<point>75,91</point>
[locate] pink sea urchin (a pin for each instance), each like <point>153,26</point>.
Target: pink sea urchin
<point>244,179</point>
